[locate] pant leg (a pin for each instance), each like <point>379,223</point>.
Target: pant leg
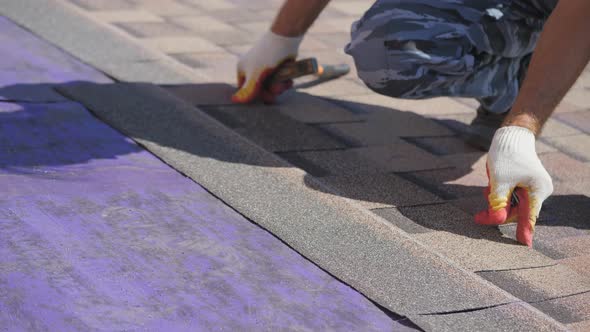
<point>427,48</point>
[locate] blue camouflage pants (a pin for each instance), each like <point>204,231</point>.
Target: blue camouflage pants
<point>466,48</point>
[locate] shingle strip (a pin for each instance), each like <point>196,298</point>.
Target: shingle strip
<point>351,243</point>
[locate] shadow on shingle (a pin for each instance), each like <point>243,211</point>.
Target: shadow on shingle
<point>428,178</point>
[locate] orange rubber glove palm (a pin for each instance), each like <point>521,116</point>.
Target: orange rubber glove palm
<point>513,165</point>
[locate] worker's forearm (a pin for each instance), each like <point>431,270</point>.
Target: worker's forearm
<point>562,52</point>
<point>296,16</point>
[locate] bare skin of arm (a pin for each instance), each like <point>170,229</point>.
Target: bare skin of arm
<point>296,16</point>
<point>562,52</point>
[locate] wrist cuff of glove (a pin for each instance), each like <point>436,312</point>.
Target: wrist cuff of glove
<point>274,41</point>
<point>513,139</point>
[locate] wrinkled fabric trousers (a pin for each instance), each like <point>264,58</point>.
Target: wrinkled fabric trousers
<point>466,48</point>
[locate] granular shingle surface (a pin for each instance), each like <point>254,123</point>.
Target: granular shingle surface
<point>569,309</point>
<point>380,190</point>
<point>342,239</point>
<point>510,317</point>
<point>448,170</point>
<point>540,284</point>
<point>273,130</point>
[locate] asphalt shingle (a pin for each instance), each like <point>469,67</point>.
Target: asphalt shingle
<point>563,247</point>
<point>380,190</point>
<point>216,68</point>
<point>394,216</point>
<point>440,217</point>
<point>333,88</point>
<point>103,4</point>
<point>562,167</point>
<point>128,15</point>
<point>509,317</point>
<point>580,326</point>
<point>306,108</point>
<point>458,238</point>
<point>554,128</point>
<point>539,284</point>
<point>426,107</point>
<point>383,128</point>
<point>580,264</point>
<point>567,310</point>
<point>348,242</point>
<point>168,8</point>
<point>75,33</point>
<point>441,146</point>
<point>578,120</point>
<point>371,160</point>
<point>152,29</point>
<point>203,94</point>
<point>457,122</point>
<point>576,145</point>
<point>470,205</point>
<point>485,251</point>
<point>181,44</point>
<point>273,130</point>
<point>450,183</point>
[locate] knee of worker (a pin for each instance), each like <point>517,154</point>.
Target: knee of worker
<point>384,80</point>
<point>382,83</point>
<point>375,67</point>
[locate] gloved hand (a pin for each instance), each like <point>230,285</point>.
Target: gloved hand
<point>513,164</point>
<point>259,63</point>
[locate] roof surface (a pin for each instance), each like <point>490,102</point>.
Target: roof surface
<point>383,190</point>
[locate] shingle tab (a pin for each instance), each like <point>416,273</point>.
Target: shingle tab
<point>539,284</point>
<point>554,128</point>
<point>395,217</point>
<point>576,145</point>
<point>380,190</point>
<point>363,161</point>
<point>441,146</point>
<point>474,247</point>
<point>569,309</point>
<point>384,127</point>
<point>273,130</point>
<point>563,247</point>
<point>583,326</point>
<point>486,251</point>
<point>578,120</point>
<point>307,108</point>
<point>425,107</point>
<point>203,94</point>
<point>580,264</point>
<point>152,29</point>
<point>450,183</point>
<point>510,317</point>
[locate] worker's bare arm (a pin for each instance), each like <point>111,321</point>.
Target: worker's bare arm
<point>296,16</point>
<point>562,52</point>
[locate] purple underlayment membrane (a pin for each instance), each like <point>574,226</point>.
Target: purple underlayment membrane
<point>98,234</point>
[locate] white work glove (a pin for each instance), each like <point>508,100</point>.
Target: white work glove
<point>259,63</point>
<point>513,165</point>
